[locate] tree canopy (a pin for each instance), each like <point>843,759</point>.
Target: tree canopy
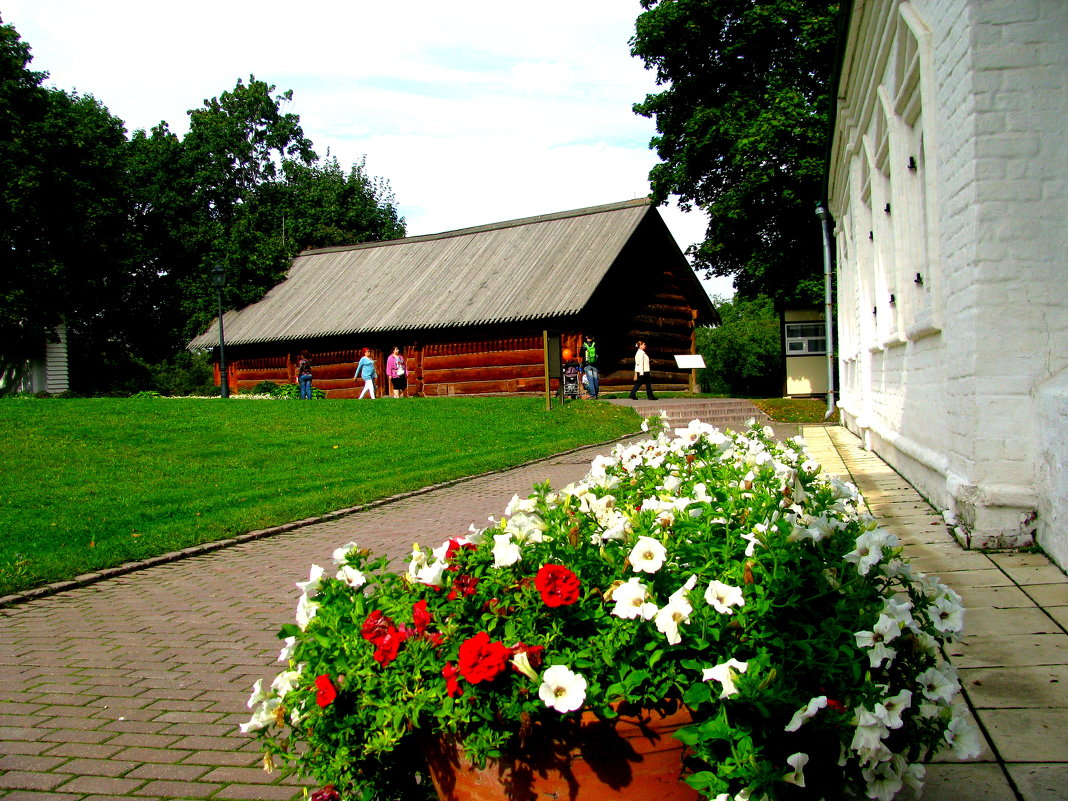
<point>742,126</point>
<point>115,236</point>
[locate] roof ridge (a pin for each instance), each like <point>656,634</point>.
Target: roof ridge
<point>558,215</point>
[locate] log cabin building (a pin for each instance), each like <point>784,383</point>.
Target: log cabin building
<point>470,308</point>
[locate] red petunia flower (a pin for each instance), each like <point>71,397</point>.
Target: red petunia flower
<point>325,692</point>
<point>388,645</point>
<point>558,585</point>
<point>328,793</point>
<point>462,585</point>
<point>452,686</point>
<point>421,617</point>
<point>482,659</point>
<point>455,546</point>
<point>375,626</point>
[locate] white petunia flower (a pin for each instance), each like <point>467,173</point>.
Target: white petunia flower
<point>797,762</point>
<point>895,707</point>
<point>314,582</point>
<point>806,712</point>
<point>259,695</point>
<point>963,736</point>
<point>306,609</point>
<point>341,554</point>
<point>262,717</point>
<point>351,576</point>
<point>505,550</point>
<point>722,597</point>
<point>287,650</point>
<point>562,689</point>
<point>668,617</point>
<point>518,504</point>
<point>632,601</point>
<point>947,615</point>
<point>526,527</point>
<point>284,682</point>
<point>647,555</point>
<point>869,549</point>
<point>724,674</point>
<point>936,686</point>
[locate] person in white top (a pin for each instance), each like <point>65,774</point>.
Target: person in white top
<point>642,374</point>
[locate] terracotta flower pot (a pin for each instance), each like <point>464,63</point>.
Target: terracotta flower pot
<point>635,757</point>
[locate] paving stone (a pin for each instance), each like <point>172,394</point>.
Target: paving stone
<point>1033,649</point>
<point>96,767</point>
<point>107,785</point>
<point>1041,782</point>
<point>1028,735</point>
<point>1008,622</point>
<point>967,782</point>
<point>260,792</point>
<point>1060,615</point>
<point>31,780</point>
<point>1017,687</point>
<point>178,789</point>
<point>1055,594</point>
<point>30,762</point>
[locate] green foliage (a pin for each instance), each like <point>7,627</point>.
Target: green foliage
<point>722,572</point>
<point>742,131</point>
<point>93,483</point>
<point>743,356</point>
<point>185,373</point>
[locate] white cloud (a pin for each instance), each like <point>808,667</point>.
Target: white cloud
<point>475,111</point>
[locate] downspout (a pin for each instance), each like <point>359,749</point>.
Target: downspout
<point>828,306</point>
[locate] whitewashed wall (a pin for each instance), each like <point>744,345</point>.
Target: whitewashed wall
<point>949,186</point>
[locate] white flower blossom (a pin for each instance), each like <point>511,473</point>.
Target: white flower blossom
<point>313,584</point>
<point>869,549</point>
<point>672,614</point>
<point>562,689</point>
<point>806,712</point>
<point>284,682</point>
<point>506,551</point>
<point>342,553</point>
<point>724,673</point>
<point>963,736</point>
<point>797,762</point>
<point>937,686</point>
<point>722,597</point>
<point>259,695</point>
<point>632,601</point>
<point>647,555</point>
<point>306,610</point>
<point>287,650</point>
<point>351,576</point>
<point>262,717</point>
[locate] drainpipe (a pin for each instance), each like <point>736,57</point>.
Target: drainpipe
<point>828,308</point>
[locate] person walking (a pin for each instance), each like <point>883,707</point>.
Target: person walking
<point>589,366</point>
<point>641,373</point>
<point>365,370</point>
<point>397,373</point>
<point>304,375</point>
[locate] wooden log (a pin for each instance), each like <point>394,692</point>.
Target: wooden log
<point>496,373</point>
<point>255,376</point>
<point>333,371</point>
<point>495,358</point>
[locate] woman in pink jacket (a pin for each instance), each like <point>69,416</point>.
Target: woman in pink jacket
<point>397,372</point>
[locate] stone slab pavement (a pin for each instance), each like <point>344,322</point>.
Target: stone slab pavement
<point>133,686</point>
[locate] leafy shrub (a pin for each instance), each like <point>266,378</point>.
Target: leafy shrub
<point>743,356</point>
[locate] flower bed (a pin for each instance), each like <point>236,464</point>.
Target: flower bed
<point>721,571</point>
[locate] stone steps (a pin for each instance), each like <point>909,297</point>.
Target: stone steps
<point>720,412</point>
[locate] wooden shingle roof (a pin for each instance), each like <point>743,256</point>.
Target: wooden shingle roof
<point>534,268</point>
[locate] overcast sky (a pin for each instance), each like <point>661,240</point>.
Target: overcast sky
<point>475,111</point>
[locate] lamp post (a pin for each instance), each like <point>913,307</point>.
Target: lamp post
<point>218,278</point>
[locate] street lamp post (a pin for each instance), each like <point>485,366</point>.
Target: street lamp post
<point>218,278</point>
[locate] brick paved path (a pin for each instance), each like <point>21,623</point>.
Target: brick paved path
<point>133,687</point>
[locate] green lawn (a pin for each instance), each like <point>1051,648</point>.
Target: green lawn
<point>94,483</point>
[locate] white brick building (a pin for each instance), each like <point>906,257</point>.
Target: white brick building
<point>949,187</point>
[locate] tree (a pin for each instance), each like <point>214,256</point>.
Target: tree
<point>64,204</point>
<point>743,355</point>
<point>742,127</point>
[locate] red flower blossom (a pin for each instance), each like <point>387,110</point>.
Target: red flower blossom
<point>388,645</point>
<point>328,793</point>
<point>482,659</point>
<point>375,626</point>
<point>558,585</point>
<point>455,546</point>
<point>421,617</point>
<point>452,686</point>
<point>462,585</point>
<point>325,692</point>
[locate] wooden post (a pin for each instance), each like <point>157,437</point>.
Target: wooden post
<point>545,357</point>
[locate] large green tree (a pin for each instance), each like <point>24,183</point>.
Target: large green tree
<point>743,355</point>
<point>742,126</point>
<point>64,206</point>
